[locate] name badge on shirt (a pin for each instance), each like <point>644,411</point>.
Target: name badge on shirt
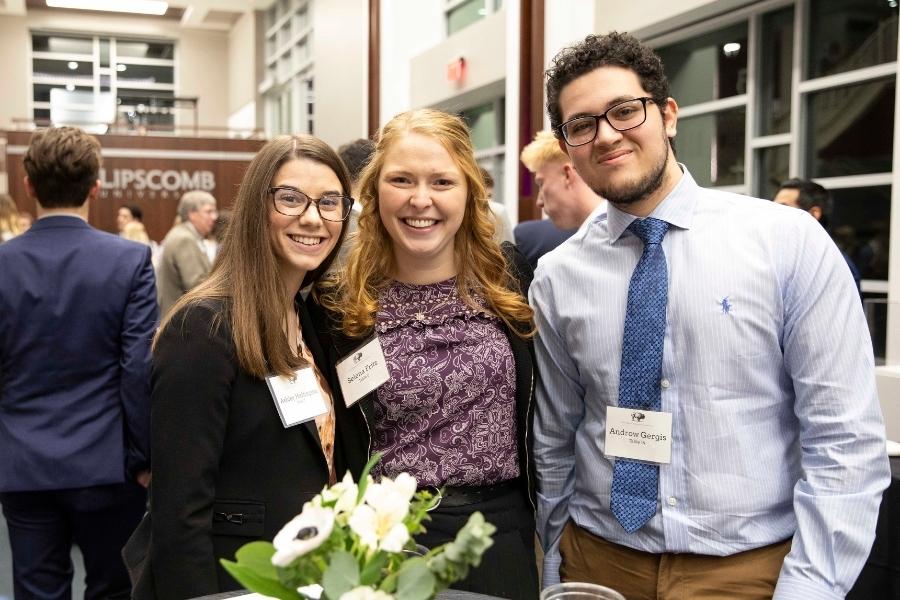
<point>639,434</point>
<point>362,371</point>
<point>297,398</point>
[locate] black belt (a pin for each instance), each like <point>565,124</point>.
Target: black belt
<point>450,496</point>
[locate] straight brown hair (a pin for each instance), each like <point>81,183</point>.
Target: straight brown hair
<point>246,274</point>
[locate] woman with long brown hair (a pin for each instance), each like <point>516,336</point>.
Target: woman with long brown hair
<point>446,307</point>
<point>235,454</point>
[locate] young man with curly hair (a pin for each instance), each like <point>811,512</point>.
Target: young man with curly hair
<point>707,423</point>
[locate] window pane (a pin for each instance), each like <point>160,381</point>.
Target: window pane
<point>61,44</point>
<point>104,52</point>
<point>772,169</point>
<point>850,34</point>
<point>860,226</point>
<point>712,147</point>
<point>875,307</point>
<point>126,48</point>
<point>482,122</point>
<point>775,72</point>
<point>464,15</point>
<point>62,68</point>
<point>851,129</point>
<point>144,74</point>
<point>707,67</point>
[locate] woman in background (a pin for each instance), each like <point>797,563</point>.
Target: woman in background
<point>227,469</point>
<point>9,218</point>
<point>448,308</point>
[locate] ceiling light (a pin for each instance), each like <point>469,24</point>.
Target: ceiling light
<point>73,65</point>
<point>120,67</point>
<point>144,7</point>
<point>70,87</point>
<point>731,48</point>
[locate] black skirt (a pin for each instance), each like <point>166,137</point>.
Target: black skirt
<point>508,569</point>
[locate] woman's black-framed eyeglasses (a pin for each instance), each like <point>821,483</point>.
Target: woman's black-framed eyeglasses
<point>621,117</point>
<point>291,202</point>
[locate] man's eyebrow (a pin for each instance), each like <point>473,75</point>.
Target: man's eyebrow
<point>612,102</point>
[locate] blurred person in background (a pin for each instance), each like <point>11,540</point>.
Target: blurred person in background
<point>502,224</point>
<point>562,195</point>
<point>9,218</point>
<point>813,198</point>
<point>128,214</point>
<point>185,262</point>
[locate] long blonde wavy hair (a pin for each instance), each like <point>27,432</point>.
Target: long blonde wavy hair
<point>246,273</point>
<point>481,265</point>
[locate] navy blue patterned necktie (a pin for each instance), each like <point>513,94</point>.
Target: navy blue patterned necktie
<point>635,485</point>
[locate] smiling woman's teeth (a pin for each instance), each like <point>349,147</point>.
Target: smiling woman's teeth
<point>305,240</point>
<point>420,223</point>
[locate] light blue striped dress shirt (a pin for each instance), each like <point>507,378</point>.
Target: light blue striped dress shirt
<point>767,371</point>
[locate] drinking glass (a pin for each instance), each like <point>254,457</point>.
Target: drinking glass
<point>572,590</point>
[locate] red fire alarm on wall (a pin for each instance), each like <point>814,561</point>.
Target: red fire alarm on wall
<point>456,71</point>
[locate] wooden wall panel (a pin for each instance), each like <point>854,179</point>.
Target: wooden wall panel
<point>151,173</point>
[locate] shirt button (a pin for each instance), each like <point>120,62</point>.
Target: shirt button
<point>672,501</point>
<point>665,384</point>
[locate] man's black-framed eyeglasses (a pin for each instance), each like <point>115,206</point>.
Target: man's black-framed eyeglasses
<point>621,117</point>
<point>291,202</point>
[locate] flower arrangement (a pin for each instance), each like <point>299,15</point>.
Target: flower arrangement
<point>355,542</point>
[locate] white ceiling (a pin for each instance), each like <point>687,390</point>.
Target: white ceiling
<point>198,14</point>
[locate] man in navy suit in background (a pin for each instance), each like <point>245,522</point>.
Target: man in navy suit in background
<point>77,314</point>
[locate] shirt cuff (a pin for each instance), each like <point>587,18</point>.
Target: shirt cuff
<point>794,588</point>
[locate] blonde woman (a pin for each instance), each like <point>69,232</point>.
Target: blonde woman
<point>447,308</point>
<point>232,459</point>
<point>9,218</point>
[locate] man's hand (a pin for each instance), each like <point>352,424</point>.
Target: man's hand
<point>143,478</point>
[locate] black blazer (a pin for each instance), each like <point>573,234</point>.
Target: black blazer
<point>354,424</point>
<point>225,470</point>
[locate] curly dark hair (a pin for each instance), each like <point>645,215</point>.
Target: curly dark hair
<point>613,49</point>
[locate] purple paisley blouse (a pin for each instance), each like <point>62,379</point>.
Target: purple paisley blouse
<point>447,414</point>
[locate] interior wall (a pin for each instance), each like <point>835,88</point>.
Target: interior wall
<point>242,72</point>
<point>201,71</point>
<point>483,46</point>
<point>408,28</point>
<point>340,48</point>
<point>14,70</point>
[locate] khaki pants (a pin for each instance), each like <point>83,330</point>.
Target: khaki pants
<point>637,575</point>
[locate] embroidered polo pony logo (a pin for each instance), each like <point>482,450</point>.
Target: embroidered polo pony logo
<point>725,303</point>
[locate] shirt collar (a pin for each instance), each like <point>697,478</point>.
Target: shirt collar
<point>677,208</point>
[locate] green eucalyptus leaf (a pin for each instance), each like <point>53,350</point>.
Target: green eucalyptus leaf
<point>415,581</point>
<point>371,573</point>
<point>254,582</point>
<point>341,576</point>
<point>258,556</point>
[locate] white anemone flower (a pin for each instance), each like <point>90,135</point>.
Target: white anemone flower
<point>379,521</point>
<point>364,592</point>
<point>304,533</point>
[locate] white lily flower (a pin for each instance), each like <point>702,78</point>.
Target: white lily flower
<point>379,521</point>
<point>364,592</point>
<point>314,591</point>
<point>345,492</point>
<point>302,534</point>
